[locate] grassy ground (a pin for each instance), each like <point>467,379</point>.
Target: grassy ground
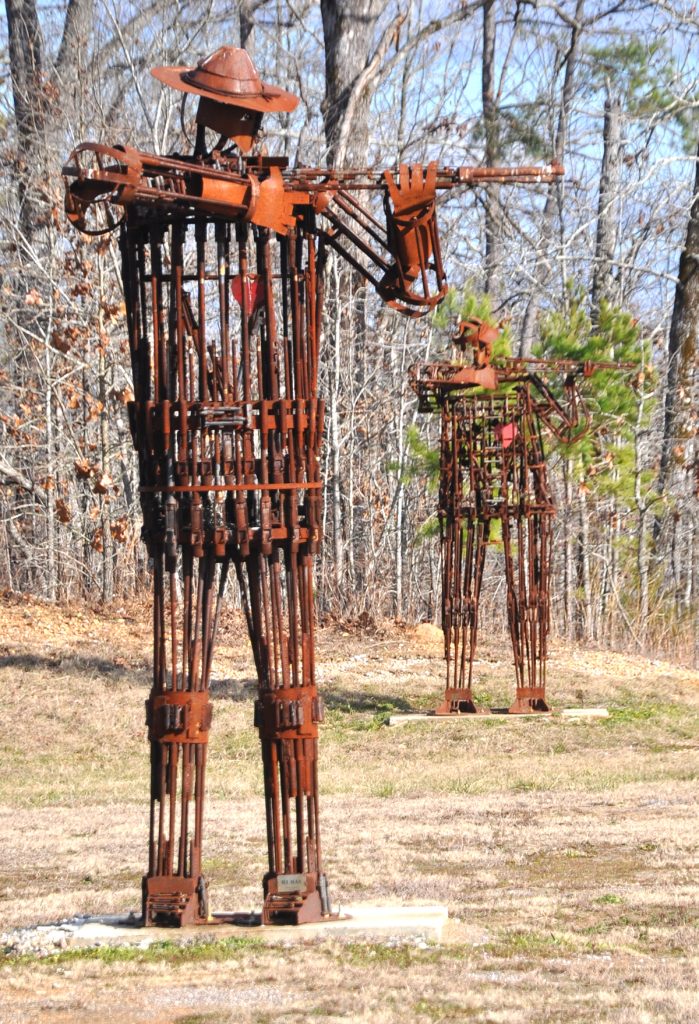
<point>566,851</point>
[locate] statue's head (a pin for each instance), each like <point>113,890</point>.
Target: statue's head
<point>232,97</point>
<point>480,337</point>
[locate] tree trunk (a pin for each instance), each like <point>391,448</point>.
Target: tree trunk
<point>77,27</point>
<point>51,588</point>
<point>493,219</point>
<point>400,498</point>
<point>335,440</point>
<point>683,342</point>
<point>693,585</point>
<point>615,625</point>
<point>348,30</point>
<point>643,579</point>
<point>542,269</point>
<point>642,549</point>
<point>569,549</point>
<point>607,581</point>
<point>587,617</point>
<point>26,72</point>
<point>107,539</point>
<point>246,24</point>
<point>607,210</point>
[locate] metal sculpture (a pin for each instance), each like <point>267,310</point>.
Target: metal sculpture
<point>223,254</point>
<point>493,468</point>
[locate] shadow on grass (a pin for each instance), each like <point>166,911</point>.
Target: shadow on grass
<point>78,664</point>
<point>343,701</point>
<point>237,690</point>
<point>351,701</point>
<point>240,691</point>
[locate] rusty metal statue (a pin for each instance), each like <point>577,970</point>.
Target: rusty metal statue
<point>493,468</point>
<point>223,253</point>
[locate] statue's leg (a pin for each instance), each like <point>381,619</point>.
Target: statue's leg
<point>528,607</point>
<point>185,618</point>
<point>514,596</point>
<point>277,590</point>
<point>464,558</point>
<point>538,608</point>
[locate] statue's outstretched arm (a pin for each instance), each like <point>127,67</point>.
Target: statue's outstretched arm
<point>568,418</point>
<point>400,253</point>
<point>397,253</point>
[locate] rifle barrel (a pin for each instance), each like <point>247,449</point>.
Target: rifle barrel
<point>563,364</point>
<point>447,177</point>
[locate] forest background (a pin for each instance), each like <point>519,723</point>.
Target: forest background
<point>604,264</point>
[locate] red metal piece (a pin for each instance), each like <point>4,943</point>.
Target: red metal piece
<point>222,265</point>
<point>254,292</point>
<point>493,467</point>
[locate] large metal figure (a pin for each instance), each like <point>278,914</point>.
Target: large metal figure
<point>222,262</point>
<point>493,468</point>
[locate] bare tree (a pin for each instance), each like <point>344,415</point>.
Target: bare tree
<point>569,66</point>
<point>493,227</point>
<point>607,208</point>
<point>683,345</point>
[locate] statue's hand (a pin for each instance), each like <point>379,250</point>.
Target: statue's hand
<point>271,205</point>
<point>412,196</point>
<point>416,281</point>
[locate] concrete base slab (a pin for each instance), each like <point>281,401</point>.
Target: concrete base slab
<point>496,713</point>
<point>584,713</point>
<point>358,921</point>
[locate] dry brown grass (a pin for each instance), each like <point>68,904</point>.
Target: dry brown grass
<point>566,851</point>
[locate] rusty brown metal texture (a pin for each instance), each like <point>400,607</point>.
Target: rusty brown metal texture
<point>223,327</point>
<point>222,265</point>
<point>400,257</point>
<point>493,469</point>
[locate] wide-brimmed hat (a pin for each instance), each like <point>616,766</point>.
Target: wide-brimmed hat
<point>228,76</point>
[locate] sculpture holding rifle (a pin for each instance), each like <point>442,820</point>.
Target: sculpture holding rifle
<point>493,469</point>
<point>223,253</point>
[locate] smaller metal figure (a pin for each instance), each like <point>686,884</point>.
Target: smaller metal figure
<point>493,467</point>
